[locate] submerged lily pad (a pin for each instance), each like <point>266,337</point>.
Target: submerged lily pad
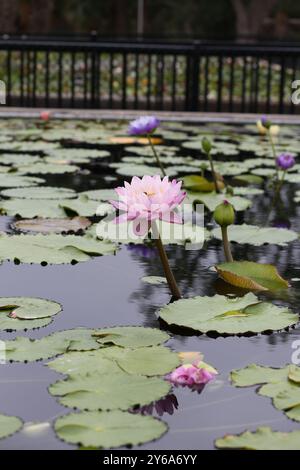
<point>257,236</point>
<point>131,336</point>
<point>109,392</point>
<point>41,225</point>
<point>108,429</point>
<point>261,439</point>
<point>44,192</point>
<point>282,385</point>
<point>24,313</point>
<point>227,315</point>
<point>52,249</point>
<point>9,425</point>
<point>251,275</point>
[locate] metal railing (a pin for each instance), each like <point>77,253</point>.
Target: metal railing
<point>191,76</point>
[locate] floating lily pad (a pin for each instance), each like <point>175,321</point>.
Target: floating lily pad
<point>154,280</point>
<point>249,179</point>
<point>108,429</point>
<point>125,169</point>
<point>9,425</point>
<point>42,168</point>
<point>282,385</point>
<point>212,200</point>
<point>22,313</point>
<point>52,248</point>
<point>100,194</point>
<point>292,177</point>
<point>149,361</point>
<point>102,392</point>
<point>32,208</point>
<point>246,191</point>
<point>264,171</point>
<point>261,439</point>
<point>257,236</point>
<point>251,275</point>
<point>86,207</point>
<point>18,159</point>
<point>44,192</point>
<point>17,181</point>
<point>131,336</point>
<point>197,183</point>
<point>173,234</point>
<point>24,349</point>
<point>227,315</point>
<point>41,225</point>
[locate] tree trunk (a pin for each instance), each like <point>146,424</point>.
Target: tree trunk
<point>8,16</point>
<point>251,15</point>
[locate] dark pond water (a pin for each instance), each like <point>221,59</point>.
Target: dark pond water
<point>108,291</point>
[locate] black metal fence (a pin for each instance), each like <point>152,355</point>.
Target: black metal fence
<point>194,76</point>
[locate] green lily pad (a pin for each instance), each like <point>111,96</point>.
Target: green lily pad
<point>212,200</point>
<point>42,168</point>
<point>246,191</point>
<point>149,361</point>
<point>24,313</point>
<point>292,177</point>
<point>251,275</point>
<point>17,181</point>
<point>227,315</point>
<point>41,225</point>
<point>85,207</point>
<point>32,208</point>
<point>249,179</point>
<point>102,392</point>
<point>257,236</point>
<point>131,336</point>
<point>173,234</point>
<point>44,192</point>
<point>282,385</point>
<point>18,159</point>
<point>154,280</point>
<point>9,425</point>
<point>52,248</point>
<point>24,349</point>
<point>261,439</point>
<point>100,194</point>
<point>29,146</point>
<point>264,171</point>
<point>108,429</point>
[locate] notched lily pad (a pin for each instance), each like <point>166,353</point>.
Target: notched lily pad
<point>131,336</point>
<point>43,192</point>
<point>257,236</point>
<point>227,315</point>
<point>102,392</point>
<point>261,439</point>
<point>52,248</point>
<point>24,313</point>
<point>9,425</point>
<point>108,429</point>
<point>282,385</point>
<point>212,200</point>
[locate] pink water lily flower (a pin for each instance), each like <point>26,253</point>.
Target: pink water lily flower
<point>45,115</point>
<point>192,374</point>
<point>148,199</point>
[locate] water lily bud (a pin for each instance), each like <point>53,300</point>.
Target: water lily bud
<point>285,161</point>
<point>224,214</point>
<point>206,145</point>
<point>266,122</point>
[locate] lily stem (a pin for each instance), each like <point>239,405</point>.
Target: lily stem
<point>226,245</point>
<point>156,155</point>
<point>213,172</point>
<point>273,151</point>
<point>165,262</point>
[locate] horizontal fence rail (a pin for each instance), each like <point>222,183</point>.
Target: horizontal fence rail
<point>192,76</point>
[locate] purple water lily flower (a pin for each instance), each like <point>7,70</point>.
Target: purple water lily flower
<point>144,125</point>
<point>285,161</point>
